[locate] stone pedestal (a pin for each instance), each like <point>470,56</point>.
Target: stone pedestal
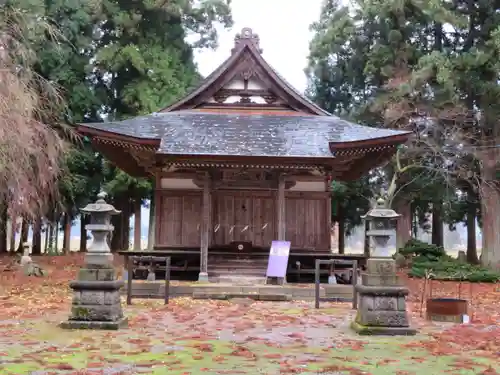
<point>96,299</point>
<point>382,304</point>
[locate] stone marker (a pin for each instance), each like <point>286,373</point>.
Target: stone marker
<point>96,299</point>
<point>382,305</point>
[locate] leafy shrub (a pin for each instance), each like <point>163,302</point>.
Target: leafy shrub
<point>422,251</point>
<point>447,268</point>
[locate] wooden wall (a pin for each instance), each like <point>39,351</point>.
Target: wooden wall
<point>179,214</point>
<point>254,209</point>
<point>307,225</point>
<point>178,218</point>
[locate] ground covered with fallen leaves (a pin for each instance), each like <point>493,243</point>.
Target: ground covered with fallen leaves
<point>234,337</point>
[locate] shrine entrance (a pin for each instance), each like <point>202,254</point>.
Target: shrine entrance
<point>244,217</point>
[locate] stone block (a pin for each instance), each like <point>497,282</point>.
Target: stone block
<point>104,313</point>
<point>77,297</point>
<point>382,318</point>
<point>87,324</point>
<point>394,291</point>
<point>386,331</point>
<point>86,274</point>
<point>381,266</point>
<point>380,280</point>
<point>385,303</point>
<point>98,260</point>
<point>91,297</point>
<point>401,305</point>
<point>270,290</point>
<point>275,297</point>
<point>106,274</point>
<point>112,298</point>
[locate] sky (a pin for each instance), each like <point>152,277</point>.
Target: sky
<point>283,28</point>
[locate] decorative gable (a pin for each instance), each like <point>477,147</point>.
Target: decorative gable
<point>246,80</point>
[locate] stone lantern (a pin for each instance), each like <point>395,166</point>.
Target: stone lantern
<point>382,304</point>
<point>96,299</point>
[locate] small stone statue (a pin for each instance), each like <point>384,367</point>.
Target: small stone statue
<point>29,267</point>
<point>151,274</point>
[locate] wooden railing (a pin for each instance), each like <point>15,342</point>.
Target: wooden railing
<point>149,263</point>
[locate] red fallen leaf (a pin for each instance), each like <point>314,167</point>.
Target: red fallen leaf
<point>219,358</point>
<point>197,357</point>
<point>272,355</point>
<point>203,347</point>
<point>489,371</point>
<point>150,363</point>
<point>95,365</point>
<point>63,366</point>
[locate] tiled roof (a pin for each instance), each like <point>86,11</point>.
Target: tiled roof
<point>198,133</point>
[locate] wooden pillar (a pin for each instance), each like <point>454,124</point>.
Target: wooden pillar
<point>328,214</point>
<point>280,207</point>
<point>205,228</point>
<point>154,214</point>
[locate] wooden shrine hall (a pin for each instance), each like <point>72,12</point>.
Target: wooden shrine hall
<point>242,160</point>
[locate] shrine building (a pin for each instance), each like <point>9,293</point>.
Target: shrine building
<point>242,160</point>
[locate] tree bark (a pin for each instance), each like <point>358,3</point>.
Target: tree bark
<point>490,209</point>
<point>3,228</point>
<point>56,234</point>
<point>36,242</point>
<point>137,225</point>
<point>46,243</point>
<point>67,233</point>
<point>403,224</point>
<point>13,231</point>
<point>83,233</point>
<point>121,234</point>
<point>24,235</point>
<point>437,224</point>
<point>471,233</point>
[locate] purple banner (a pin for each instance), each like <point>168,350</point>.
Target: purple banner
<point>278,259</point>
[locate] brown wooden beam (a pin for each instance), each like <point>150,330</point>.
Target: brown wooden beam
<point>280,207</point>
<point>205,228</point>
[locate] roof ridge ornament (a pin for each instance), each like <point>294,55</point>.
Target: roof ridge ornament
<point>245,37</point>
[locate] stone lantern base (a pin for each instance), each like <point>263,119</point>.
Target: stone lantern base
<point>96,300</point>
<point>382,305</point>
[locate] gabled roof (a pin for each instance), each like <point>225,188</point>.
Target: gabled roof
<point>201,133</point>
<point>246,58</point>
<point>284,127</point>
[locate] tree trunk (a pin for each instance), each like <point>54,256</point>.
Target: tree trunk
<point>437,224</point>
<point>24,235</point>
<point>13,231</point>
<point>471,233</point>
<point>36,242</point>
<point>67,233</point>
<point>3,228</point>
<point>490,209</point>
<point>56,234</point>
<point>51,237</point>
<point>137,225</point>
<point>403,224</point>
<point>83,233</point>
<point>46,246</point>
<point>119,234</point>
